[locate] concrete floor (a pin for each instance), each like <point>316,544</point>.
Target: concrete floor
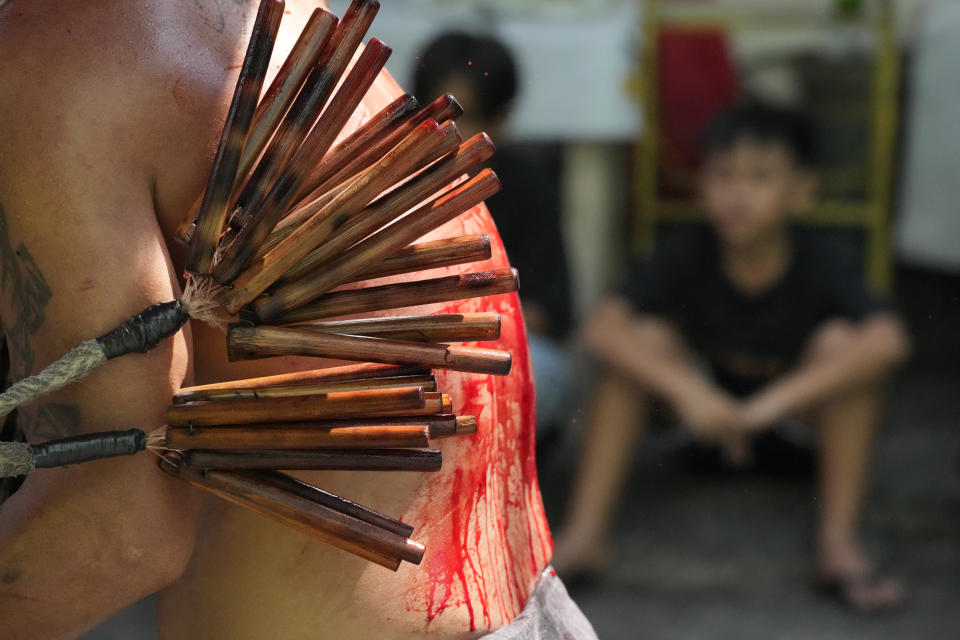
<point>717,555</point>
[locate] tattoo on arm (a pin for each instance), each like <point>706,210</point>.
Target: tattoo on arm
<point>28,293</point>
<point>50,421</point>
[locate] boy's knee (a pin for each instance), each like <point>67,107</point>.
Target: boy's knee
<point>828,338</point>
<point>617,385</point>
<point>660,336</point>
<point>615,323</point>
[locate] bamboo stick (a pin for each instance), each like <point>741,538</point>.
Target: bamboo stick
<point>280,437</point>
<point>384,242</point>
<point>430,255</point>
<point>325,194</point>
<point>245,343</point>
<point>309,103</point>
<point>324,187</point>
<point>341,404</point>
<point>266,270</point>
<point>349,533</point>
<point>391,205</point>
<point>406,294</point>
<point>438,424</point>
<point>266,213</point>
<point>434,404</point>
<point>428,382</point>
<point>301,60</point>
<point>377,247</point>
<point>213,209</point>
<point>276,101</point>
<point>353,460</point>
<point>449,327</point>
<point>446,402</point>
<point>309,492</point>
<point>326,190</point>
<point>330,375</point>
<point>442,109</point>
<point>383,125</point>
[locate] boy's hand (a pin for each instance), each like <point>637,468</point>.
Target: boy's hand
<point>711,414</point>
<point>718,418</point>
<point>760,411</point>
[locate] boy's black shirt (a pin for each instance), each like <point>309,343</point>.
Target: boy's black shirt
<point>748,340</point>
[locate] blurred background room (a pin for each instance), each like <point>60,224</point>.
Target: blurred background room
<point>597,108</point>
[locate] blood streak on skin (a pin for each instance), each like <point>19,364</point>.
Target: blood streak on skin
<point>481,516</point>
<point>498,538</point>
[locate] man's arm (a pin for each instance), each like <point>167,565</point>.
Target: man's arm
<point>868,351</point>
<point>80,251</point>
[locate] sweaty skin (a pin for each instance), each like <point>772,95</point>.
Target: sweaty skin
<point>148,84</point>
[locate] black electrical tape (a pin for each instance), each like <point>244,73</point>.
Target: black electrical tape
<point>93,446</point>
<point>145,330</point>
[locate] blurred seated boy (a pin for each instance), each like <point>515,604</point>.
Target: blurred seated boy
<point>784,326</point>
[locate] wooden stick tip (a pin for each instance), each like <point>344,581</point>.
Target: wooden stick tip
<point>416,551</point>
<point>478,148</point>
<point>430,127</point>
<point>466,425</point>
<point>450,107</point>
<point>378,44</point>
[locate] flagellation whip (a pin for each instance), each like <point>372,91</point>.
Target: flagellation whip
<point>288,217</point>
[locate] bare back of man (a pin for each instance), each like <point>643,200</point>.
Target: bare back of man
<point>109,117</point>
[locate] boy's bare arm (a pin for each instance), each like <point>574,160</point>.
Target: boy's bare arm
<point>649,351</point>
<point>871,349</point>
<point>80,251</point>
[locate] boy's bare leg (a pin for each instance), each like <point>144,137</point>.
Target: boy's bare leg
<point>617,418</point>
<point>847,423</point>
<point>847,426</point>
<point>649,357</point>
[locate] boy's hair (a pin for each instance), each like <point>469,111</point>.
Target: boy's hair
<point>763,123</point>
<point>481,60</point>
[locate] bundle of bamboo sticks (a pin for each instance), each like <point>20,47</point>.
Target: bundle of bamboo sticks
<point>231,438</point>
<point>287,218</point>
<point>290,214</point>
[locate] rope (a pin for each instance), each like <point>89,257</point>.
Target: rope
<point>75,365</point>
<point>140,332</point>
<point>16,459</point>
<point>199,299</point>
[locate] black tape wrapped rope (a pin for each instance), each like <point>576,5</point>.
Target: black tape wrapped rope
<point>139,333</point>
<point>20,458</point>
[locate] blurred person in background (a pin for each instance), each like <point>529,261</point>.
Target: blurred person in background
<point>480,71</point>
<point>738,326</point>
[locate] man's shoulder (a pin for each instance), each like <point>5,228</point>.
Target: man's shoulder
<point>100,66</point>
<point>116,88</point>
<point>56,43</point>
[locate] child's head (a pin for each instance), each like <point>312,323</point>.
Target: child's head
<point>478,70</point>
<point>757,170</point>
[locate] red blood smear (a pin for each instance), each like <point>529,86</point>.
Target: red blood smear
<point>487,506</point>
